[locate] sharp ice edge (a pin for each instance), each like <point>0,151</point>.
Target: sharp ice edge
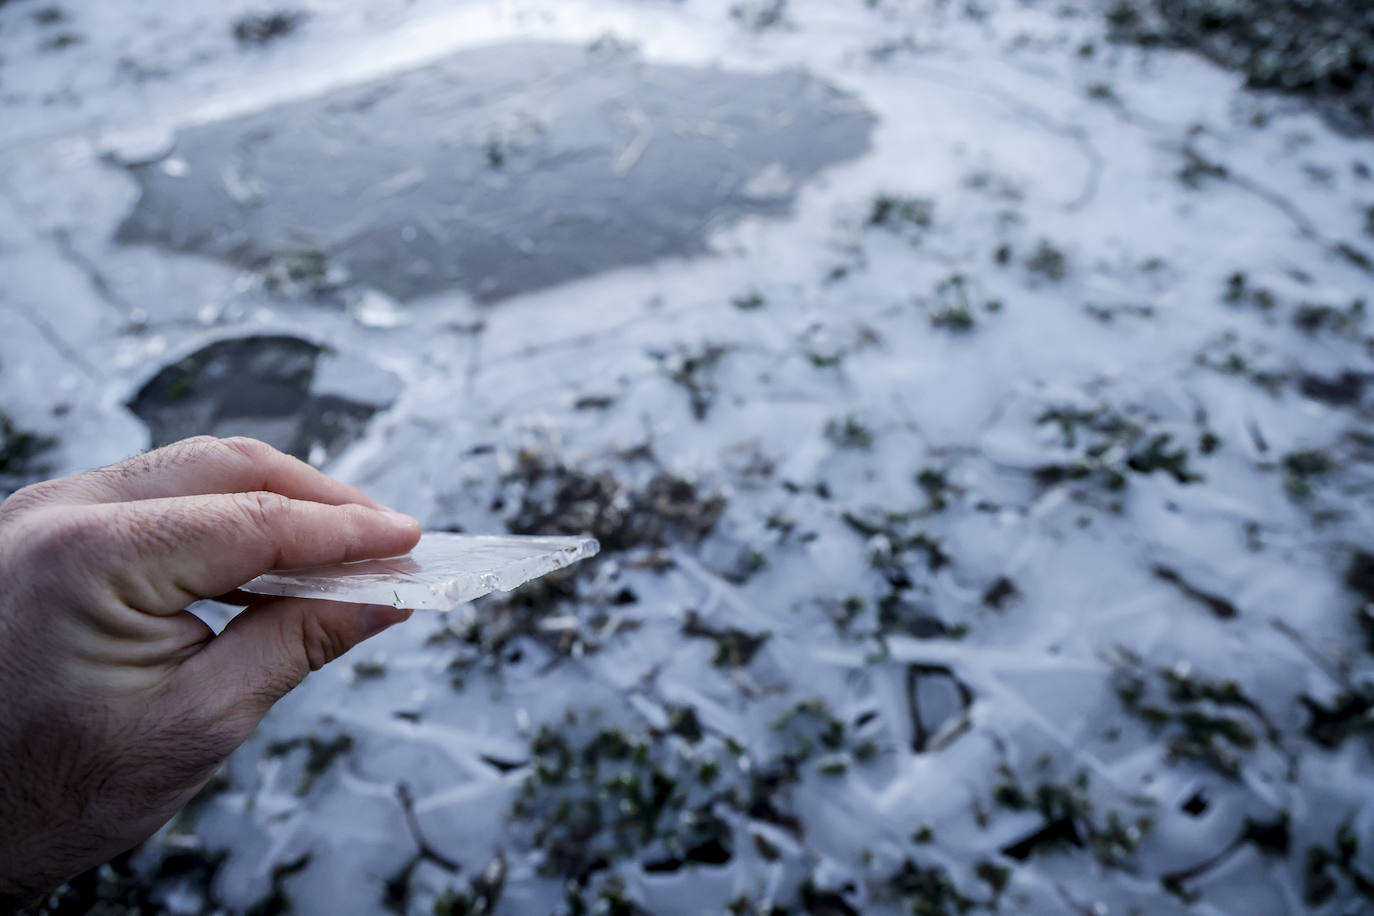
<point>443,571</point>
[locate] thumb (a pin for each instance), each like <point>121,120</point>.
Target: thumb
<point>269,648</point>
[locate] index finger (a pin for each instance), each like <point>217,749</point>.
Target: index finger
<point>200,467</point>
<point>162,554</point>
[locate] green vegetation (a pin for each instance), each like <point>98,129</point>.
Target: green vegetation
<point>597,795</point>
<point>262,28</point>
<point>1354,256</point>
<point>1197,169</point>
<point>594,402</point>
<point>1000,593</point>
<point>21,454</point>
<point>1302,469</point>
<point>1222,608</point>
<point>899,540</point>
<point>1322,50</point>
<point>542,495</point>
<point>1156,455</point>
<point>825,360</point>
<point>1313,318</point>
<point>615,797</point>
<point>749,562</point>
<point>1329,869</point>
<point>937,489</point>
<point>60,41</point>
<point>1212,723</point>
<point>951,305</point>
<point>611,900</point>
<point>1348,714</point>
<point>1219,355</point>
<point>849,433</point>
<point>277,901</point>
<point>1102,92</point>
<point>480,898</point>
<point>1048,261</point>
<point>320,755</point>
<point>1067,820</point>
<point>1240,292</point>
<point>1359,575</point>
<point>694,368</point>
<point>995,186</point>
<point>760,15</point>
<point>925,890</point>
<point>735,648</point>
<point>302,272</point>
<point>118,888</point>
<point>957,319</point>
<point>1108,314</point>
<point>805,729</point>
<point>1110,448</point>
<point>369,670</point>
<point>909,217</point>
<point>895,545</point>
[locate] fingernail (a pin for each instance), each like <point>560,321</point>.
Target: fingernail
<point>400,519</point>
<point>377,617</point>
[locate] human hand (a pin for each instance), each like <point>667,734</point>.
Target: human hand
<point>116,703</point>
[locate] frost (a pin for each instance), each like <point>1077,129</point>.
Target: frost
<point>443,571</point>
<point>985,525</point>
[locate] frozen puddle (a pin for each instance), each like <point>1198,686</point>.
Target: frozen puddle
<point>303,398</point>
<point>498,170</point>
<point>443,571</point>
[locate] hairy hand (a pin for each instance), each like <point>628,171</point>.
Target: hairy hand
<point>118,703</point>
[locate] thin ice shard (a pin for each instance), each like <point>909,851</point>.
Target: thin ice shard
<point>443,571</point>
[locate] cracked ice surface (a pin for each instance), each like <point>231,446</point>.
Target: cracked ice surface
<point>994,529</point>
<point>442,572</point>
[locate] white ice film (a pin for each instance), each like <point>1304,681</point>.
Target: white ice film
<point>442,572</point>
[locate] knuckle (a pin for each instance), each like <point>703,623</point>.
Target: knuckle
<point>168,458</point>
<point>199,450</point>
<point>191,449</point>
<point>201,442</point>
<point>322,643</point>
<point>58,533</point>
<point>144,536</point>
<point>29,497</point>
<point>243,448</point>
<point>264,509</point>
<point>60,539</point>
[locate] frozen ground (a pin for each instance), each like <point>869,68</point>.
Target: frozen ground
<point>985,523</point>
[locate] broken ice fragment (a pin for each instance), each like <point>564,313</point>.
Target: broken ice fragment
<point>443,571</point>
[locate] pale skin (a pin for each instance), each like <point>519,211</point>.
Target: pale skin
<point>116,703</point>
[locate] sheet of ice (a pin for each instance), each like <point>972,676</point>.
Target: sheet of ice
<point>443,571</point>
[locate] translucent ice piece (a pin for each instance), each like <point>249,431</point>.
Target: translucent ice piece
<point>443,571</point>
